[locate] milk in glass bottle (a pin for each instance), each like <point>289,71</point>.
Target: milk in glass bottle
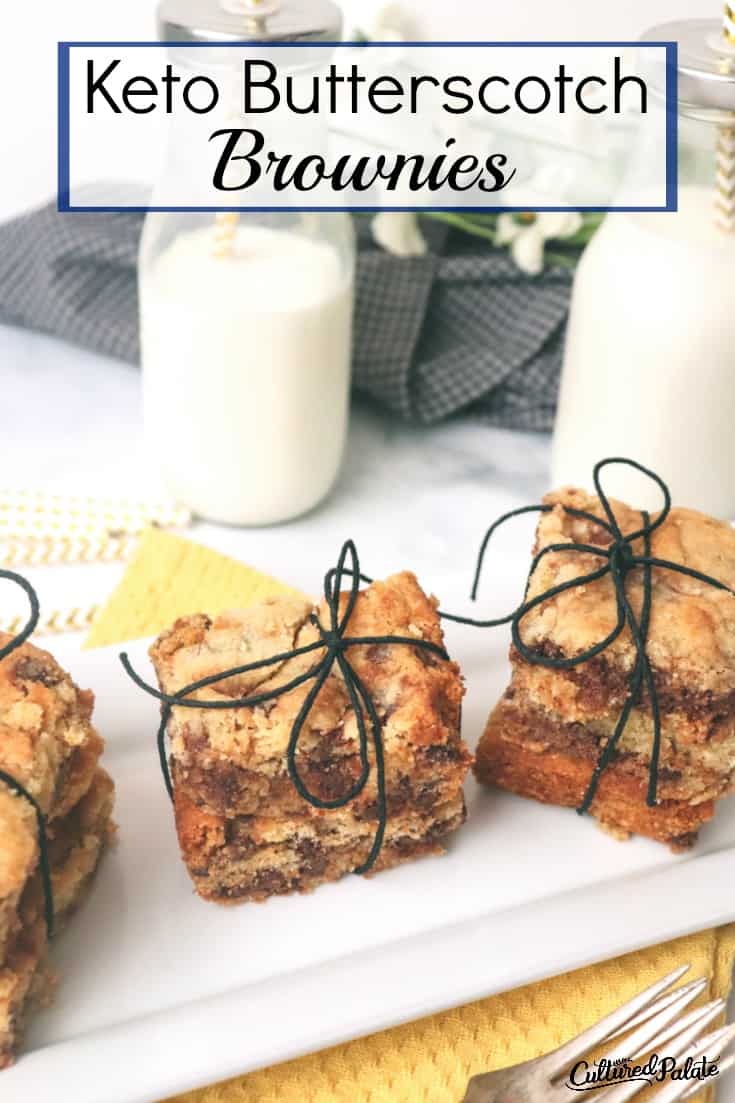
<point>649,368</point>
<point>246,318</point>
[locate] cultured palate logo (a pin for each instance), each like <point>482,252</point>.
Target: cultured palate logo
<point>590,1076</point>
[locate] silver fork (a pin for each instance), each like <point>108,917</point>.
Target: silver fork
<point>651,1022</point>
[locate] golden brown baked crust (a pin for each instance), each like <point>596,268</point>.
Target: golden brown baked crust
<point>699,754</point>
<point>516,753</point>
<point>691,641</point>
<point>244,830</point>
<point>546,736</point>
<point>76,843</point>
<point>48,745</point>
<point>44,717</point>
<point>18,858</point>
<point>255,857</point>
<point>233,762</point>
<point>21,976</point>
<point>688,772</point>
<point>590,692</point>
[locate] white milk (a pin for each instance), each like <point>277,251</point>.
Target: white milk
<point>649,368</point>
<point>246,367</point>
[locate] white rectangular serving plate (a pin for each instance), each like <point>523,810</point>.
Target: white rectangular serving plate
<point>161,992</point>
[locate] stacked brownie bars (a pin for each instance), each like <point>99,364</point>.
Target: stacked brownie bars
<point>245,832</point>
<point>548,731</point>
<point>47,745</point>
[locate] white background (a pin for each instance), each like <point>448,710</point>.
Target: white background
<point>33,367</point>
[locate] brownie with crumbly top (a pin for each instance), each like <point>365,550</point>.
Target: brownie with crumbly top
<point>245,831</point>
<point>546,736</point>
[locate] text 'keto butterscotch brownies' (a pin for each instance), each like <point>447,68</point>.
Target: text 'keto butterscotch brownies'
<point>546,736</point>
<point>48,747</point>
<point>245,830</point>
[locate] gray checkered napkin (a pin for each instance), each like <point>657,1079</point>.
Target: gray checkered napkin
<point>458,330</point>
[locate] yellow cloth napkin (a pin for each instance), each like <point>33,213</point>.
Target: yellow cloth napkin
<point>169,577</point>
<point>429,1061</point>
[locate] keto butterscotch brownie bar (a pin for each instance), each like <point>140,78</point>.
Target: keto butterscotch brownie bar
<point>548,732</point>
<point>49,752</point>
<point>49,746</point>
<point>691,641</point>
<point>244,829</point>
<point>75,844</point>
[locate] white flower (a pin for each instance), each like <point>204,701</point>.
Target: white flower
<point>527,235</point>
<point>398,232</point>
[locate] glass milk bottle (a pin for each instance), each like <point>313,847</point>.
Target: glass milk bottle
<point>246,318</point>
<point>649,368</point>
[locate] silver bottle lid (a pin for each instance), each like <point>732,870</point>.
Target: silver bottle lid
<point>706,62</point>
<point>249,21</point>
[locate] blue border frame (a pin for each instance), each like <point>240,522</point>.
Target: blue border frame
<point>64,127</point>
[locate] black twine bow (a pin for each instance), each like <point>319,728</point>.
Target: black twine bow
<point>335,646</point>
<point>11,782</point>
<point>619,560</point>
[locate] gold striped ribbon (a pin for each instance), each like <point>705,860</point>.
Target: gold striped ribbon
<point>39,529</point>
<point>56,623</point>
<point>226,222</point>
<point>53,551</point>
<point>46,530</point>
<point>33,512</point>
<point>225,228</point>
<point>725,199</point>
<point>725,157</point>
<point>729,24</point>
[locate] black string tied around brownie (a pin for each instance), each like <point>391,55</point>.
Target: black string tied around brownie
<point>334,646</point>
<point>12,783</point>
<point>619,560</point>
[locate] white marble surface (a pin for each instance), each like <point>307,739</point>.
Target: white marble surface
<point>417,497</point>
<point>409,497</point>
